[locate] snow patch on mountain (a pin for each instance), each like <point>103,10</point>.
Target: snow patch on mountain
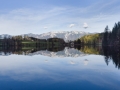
<point>66,35</point>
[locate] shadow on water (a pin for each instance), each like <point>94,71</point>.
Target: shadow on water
<point>109,53</point>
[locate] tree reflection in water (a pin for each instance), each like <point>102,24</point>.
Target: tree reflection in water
<point>109,53</point>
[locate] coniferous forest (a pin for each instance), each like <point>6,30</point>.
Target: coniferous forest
<point>107,38</point>
<point>112,38</point>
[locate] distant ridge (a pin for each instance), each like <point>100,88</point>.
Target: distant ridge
<point>66,35</point>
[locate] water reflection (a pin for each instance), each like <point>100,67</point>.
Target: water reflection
<point>82,68</point>
<point>51,52</point>
<point>112,54</point>
<point>109,53</point>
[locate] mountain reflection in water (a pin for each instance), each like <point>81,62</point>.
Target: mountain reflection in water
<point>110,54</point>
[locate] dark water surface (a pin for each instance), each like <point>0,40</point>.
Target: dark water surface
<point>70,69</point>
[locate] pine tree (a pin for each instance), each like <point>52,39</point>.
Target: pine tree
<point>79,41</point>
<point>106,36</point>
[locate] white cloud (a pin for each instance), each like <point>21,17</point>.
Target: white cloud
<point>71,62</point>
<point>71,25</point>
<point>85,62</point>
<point>85,25</point>
<point>21,21</point>
<point>45,27</point>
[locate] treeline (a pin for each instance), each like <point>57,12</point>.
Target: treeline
<point>107,38</point>
<point>112,38</point>
<point>7,42</point>
<point>20,42</point>
<point>93,39</point>
<point>14,41</point>
<point>24,40</point>
<point>77,42</point>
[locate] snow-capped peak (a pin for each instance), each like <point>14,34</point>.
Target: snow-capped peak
<point>66,35</point>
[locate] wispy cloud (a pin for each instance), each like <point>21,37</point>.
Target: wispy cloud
<point>71,25</point>
<point>27,20</point>
<point>45,27</point>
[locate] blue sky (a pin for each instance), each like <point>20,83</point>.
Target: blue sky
<point>41,16</point>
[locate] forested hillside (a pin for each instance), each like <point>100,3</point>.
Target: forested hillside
<point>107,38</point>
<point>93,39</point>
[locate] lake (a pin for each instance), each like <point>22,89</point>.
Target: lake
<point>69,69</point>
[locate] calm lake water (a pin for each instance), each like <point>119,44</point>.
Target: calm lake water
<point>70,69</point>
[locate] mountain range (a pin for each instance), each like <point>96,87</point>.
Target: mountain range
<point>66,35</point>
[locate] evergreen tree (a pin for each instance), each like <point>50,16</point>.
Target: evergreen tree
<point>79,41</point>
<point>106,36</point>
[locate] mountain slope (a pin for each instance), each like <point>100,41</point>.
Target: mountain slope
<point>66,35</point>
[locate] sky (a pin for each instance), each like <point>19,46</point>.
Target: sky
<point>41,16</point>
